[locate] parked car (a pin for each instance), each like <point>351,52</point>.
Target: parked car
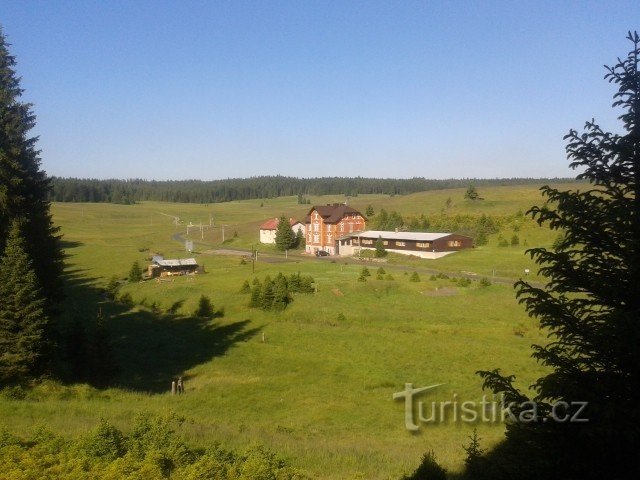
<point>322,253</point>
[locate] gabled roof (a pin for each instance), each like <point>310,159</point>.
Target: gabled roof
<point>333,213</point>
<point>272,223</point>
<point>178,262</point>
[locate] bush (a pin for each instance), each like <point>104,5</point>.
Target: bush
<point>381,271</point>
<point>485,282</point>
<point>464,282</point>
<point>362,278</point>
<point>341,317</point>
<point>389,276</point>
<point>503,243</point>
<point>365,272</point>
<point>515,240</point>
<point>414,277</point>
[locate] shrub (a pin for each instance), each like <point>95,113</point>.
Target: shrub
<point>503,243</point>
<point>515,240</point>
<point>464,282</point>
<point>389,276</point>
<point>126,299</point>
<point>484,282</point>
<point>414,277</point>
<point>365,272</point>
<point>341,317</point>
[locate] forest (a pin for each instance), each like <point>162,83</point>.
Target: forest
<point>226,190</point>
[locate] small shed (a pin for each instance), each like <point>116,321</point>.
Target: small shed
<point>167,267</point>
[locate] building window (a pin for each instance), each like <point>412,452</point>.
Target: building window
<point>316,238</point>
<point>385,242</point>
<point>367,242</point>
<point>454,243</point>
<point>329,236</point>
<point>316,226</point>
<point>423,245</point>
<point>400,244</point>
<point>342,226</point>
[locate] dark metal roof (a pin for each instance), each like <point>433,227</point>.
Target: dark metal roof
<point>332,213</point>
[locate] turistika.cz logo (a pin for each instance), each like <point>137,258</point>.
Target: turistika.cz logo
<point>489,409</point>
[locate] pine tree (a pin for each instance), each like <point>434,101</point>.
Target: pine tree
<point>380,250</point>
<point>369,212</point>
<point>246,288</point>
<point>135,274</point>
<point>285,238</point>
<point>205,308</point>
<point>266,302</point>
<point>256,296</point>
<point>24,323</point>
<point>281,296</point>
<point>589,310</point>
<point>24,187</point>
<point>300,241</point>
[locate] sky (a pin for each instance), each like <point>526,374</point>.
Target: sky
<point>214,89</point>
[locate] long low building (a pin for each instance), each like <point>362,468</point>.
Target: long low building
<point>421,244</point>
<point>161,267</point>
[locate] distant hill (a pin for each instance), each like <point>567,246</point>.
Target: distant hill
<point>215,191</point>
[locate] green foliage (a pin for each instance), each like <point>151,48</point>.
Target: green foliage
<point>481,239</point>
<point>24,186</point>
<point>341,317</point>
<point>362,278</point>
<point>389,276</point>
<point>473,461</point>
<point>135,273</point>
<point>381,271</point>
<point>414,277</point>
<point>365,272</point>
<point>471,193</point>
<point>105,442</point>
<point>429,469</point>
<point>24,323</point>
<point>300,241</point>
<point>588,309</point>
<point>503,242</point>
<point>380,250</point>
<point>464,282</point>
<point>112,287</point>
<point>484,282</point>
<point>557,243</point>
<point>246,288</point>
<point>285,238</point>
<point>205,308</point>
<point>515,240</point>
<point>369,212</point>
<point>256,296</point>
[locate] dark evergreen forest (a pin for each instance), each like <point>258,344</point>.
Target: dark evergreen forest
<point>213,191</point>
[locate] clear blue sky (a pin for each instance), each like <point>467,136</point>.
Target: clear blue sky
<point>171,90</point>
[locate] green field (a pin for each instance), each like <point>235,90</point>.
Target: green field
<point>315,382</point>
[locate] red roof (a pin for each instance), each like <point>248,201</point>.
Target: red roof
<point>272,223</point>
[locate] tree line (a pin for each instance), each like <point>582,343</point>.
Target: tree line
<point>262,187</point>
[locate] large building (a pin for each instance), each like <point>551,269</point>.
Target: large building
<point>269,228</point>
<point>425,245</point>
<point>325,223</point>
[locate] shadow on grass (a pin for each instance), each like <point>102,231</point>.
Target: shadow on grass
<point>150,348</point>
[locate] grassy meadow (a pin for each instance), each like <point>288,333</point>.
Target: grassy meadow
<point>315,382</point>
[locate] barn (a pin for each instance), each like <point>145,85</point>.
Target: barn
<point>421,244</point>
<point>161,267</point>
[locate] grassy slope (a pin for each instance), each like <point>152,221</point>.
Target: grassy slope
<point>317,390</point>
